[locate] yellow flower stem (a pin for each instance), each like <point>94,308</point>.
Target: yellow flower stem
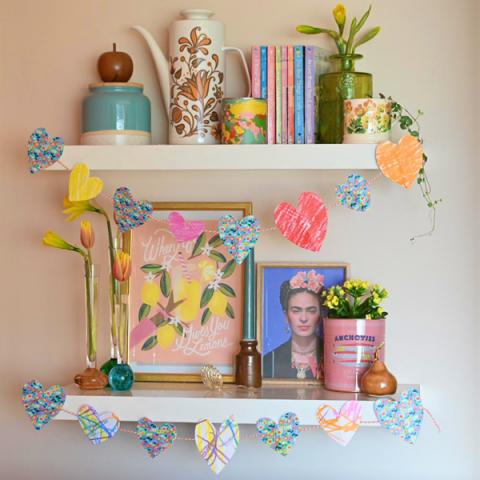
<point>91,320</point>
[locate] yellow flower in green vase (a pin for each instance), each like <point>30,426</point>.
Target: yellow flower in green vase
<point>76,209</point>
<point>340,15</point>
<point>52,239</point>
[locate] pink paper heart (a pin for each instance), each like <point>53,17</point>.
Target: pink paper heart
<point>183,230</point>
<point>306,225</point>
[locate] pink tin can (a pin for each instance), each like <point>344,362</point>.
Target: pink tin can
<point>349,347</point>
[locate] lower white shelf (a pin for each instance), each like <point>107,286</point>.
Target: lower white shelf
<point>191,403</point>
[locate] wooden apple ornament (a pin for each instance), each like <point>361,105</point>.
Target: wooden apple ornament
<point>115,66</point>
<point>377,380</point>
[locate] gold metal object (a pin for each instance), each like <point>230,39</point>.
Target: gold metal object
<point>211,377</point>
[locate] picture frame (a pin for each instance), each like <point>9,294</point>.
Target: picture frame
<point>276,332</point>
<point>193,327</point>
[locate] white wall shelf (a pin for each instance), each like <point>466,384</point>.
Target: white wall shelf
<point>221,157</point>
<point>191,403</point>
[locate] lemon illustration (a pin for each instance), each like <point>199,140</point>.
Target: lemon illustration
<point>208,269</point>
<point>218,303</point>
<point>150,293</point>
<point>190,292</point>
<point>166,336</point>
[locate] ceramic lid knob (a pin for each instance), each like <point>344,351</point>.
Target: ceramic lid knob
<point>115,66</point>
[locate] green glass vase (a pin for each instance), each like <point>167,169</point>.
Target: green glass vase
<point>333,89</point>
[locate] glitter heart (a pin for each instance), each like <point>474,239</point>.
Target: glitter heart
<point>81,186</point>
<point>239,236</point>
<point>306,225</point>
<point>42,150</point>
<point>401,163</point>
<point>403,417</point>
<point>354,193</point>
<point>340,426</point>
<point>42,405</point>
<point>129,213</point>
<point>281,437</point>
<point>155,439</point>
<point>183,230</point>
<point>98,427</point>
<point>217,447</point>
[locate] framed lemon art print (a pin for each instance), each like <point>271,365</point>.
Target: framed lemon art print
<point>185,293</point>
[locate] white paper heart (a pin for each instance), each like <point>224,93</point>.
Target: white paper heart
<point>340,426</point>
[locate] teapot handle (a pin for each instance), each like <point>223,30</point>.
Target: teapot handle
<point>245,67</point>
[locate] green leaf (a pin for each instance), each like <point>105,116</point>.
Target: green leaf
<point>143,311</point>
<point>179,329</point>
<point>151,268</point>
<point>309,30</point>
<point>414,133</point>
<point>199,244</point>
<point>229,268</point>
<point>229,311</point>
<point>206,297</point>
<point>205,316</point>
<point>368,36</point>
<point>165,284</point>
<point>407,121</point>
<point>215,241</point>
<point>227,290</point>
<point>362,21</point>
<point>150,343</point>
<point>217,256</point>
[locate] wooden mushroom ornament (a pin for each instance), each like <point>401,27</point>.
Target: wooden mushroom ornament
<point>378,380</point>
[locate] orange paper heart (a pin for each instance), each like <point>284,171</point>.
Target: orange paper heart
<point>401,163</point>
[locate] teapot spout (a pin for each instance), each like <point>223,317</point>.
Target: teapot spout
<point>161,64</point>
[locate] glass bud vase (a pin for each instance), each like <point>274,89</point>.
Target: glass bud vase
<point>333,89</point>
<point>91,378</point>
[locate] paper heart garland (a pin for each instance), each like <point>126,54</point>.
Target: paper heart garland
<point>129,213</point>
<point>81,186</point>
<point>42,405</point>
<point>43,151</point>
<point>217,447</point>
<point>155,439</point>
<point>239,236</point>
<point>354,193</point>
<point>98,427</point>
<point>306,225</point>
<point>403,417</point>
<point>401,163</point>
<point>280,437</point>
<point>182,230</point>
<point>340,426</point>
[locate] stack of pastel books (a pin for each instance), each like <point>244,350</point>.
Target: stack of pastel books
<point>287,77</point>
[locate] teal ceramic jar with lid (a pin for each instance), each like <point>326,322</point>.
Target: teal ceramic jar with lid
<point>116,114</point>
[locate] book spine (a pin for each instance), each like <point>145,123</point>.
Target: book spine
<point>299,94</point>
<point>256,72</point>
<point>284,95</point>
<point>263,72</point>
<point>271,94</point>
<point>290,97</point>
<point>278,95</point>
<point>309,94</point>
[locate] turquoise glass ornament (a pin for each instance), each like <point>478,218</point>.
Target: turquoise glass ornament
<point>120,377</point>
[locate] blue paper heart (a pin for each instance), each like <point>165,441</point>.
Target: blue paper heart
<point>43,151</point>
<point>129,213</point>
<point>239,236</point>
<point>42,405</point>
<point>403,417</point>
<point>354,193</point>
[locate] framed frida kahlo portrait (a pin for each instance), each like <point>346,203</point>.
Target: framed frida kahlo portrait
<point>290,318</point>
<point>185,295</point>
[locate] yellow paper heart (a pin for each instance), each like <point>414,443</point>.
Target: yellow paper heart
<point>81,186</point>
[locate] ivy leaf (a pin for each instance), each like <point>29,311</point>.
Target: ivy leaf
<point>227,290</point>
<point>165,284</point>
<point>205,316</point>
<point>206,297</point>
<point>229,268</point>
<point>143,311</point>
<point>199,244</point>
<point>215,241</point>
<point>229,311</point>
<point>151,268</point>
<point>217,256</point>
<point>150,343</point>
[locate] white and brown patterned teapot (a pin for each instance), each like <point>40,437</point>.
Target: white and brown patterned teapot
<point>193,79</point>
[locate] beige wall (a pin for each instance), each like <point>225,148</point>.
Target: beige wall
<point>425,56</point>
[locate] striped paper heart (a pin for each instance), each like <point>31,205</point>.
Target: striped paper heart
<point>341,425</point>
<point>98,427</point>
